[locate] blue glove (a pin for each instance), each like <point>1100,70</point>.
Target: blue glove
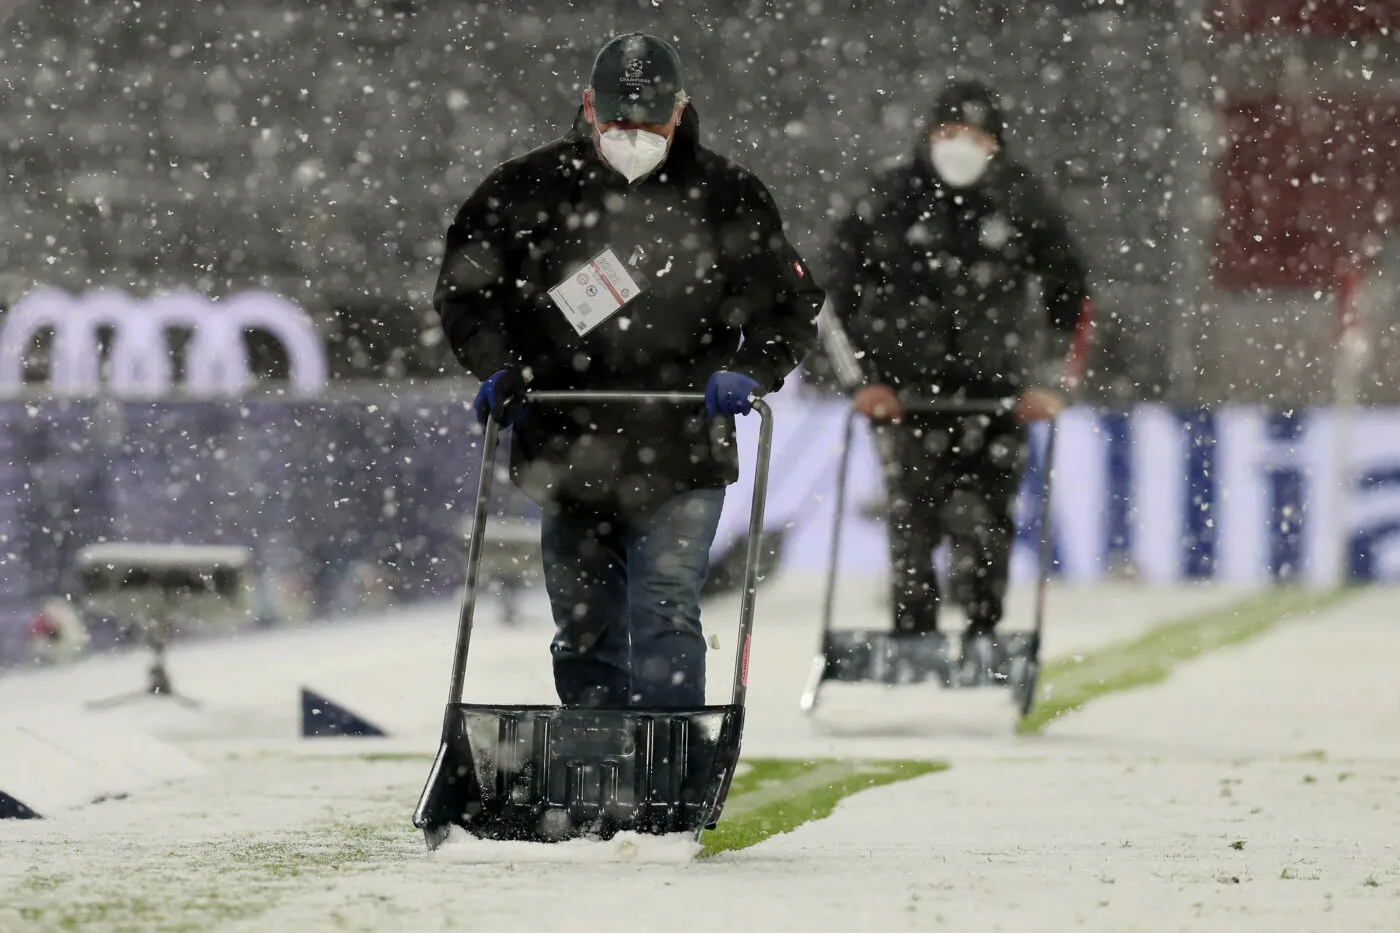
<point>728,393</point>
<point>501,396</point>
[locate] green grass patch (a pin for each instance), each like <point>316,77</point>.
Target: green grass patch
<point>1066,684</point>
<point>763,773</point>
<point>778,795</point>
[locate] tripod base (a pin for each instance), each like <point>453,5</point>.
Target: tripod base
<point>157,685</point>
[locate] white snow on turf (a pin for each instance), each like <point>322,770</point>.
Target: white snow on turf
<point>394,671</point>
<point>1119,819</point>
<point>624,847</point>
<point>1331,684</point>
<point>55,763</point>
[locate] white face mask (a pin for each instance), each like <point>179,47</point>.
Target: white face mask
<point>633,152</point>
<point>959,160</point>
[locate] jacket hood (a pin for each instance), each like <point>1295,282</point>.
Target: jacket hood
<point>972,103</point>
<point>969,102</point>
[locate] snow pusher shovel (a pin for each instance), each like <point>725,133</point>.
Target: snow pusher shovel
<point>880,656</point>
<point>553,773</point>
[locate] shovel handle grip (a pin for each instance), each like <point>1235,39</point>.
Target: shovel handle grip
<point>552,395</point>
<point>991,406</point>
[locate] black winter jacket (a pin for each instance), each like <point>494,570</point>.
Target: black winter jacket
<point>930,283</point>
<point>723,289</point>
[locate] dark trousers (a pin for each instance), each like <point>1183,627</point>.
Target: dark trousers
<point>953,478</point>
<point>626,603</point>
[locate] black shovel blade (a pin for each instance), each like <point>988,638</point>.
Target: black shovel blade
<point>884,657</point>
<point>548,774</point>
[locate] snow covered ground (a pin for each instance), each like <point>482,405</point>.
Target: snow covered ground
<point>1252,790</point>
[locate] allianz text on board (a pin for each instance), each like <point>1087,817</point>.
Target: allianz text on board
<point>139,361</point>
<point>1239,495</point>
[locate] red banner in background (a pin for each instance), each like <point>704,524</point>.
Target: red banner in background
<point>1301,183</point>
<point>1322,18</point>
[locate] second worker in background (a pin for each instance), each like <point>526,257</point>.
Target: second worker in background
<point>929,288</point>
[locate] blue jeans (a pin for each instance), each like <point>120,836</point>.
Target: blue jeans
<point>626,603</point>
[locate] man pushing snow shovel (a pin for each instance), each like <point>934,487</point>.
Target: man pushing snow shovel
<point>932,270</point>
<point>625,256</point>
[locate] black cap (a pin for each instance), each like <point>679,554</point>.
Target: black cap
<point>970,103</point>
<point>636,77</point>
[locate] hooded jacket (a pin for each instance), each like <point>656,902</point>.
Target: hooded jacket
<point>721,289</point>
<point>929,283</point>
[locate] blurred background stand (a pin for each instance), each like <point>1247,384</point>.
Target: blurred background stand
<point>510,560</point>
<point>161,589</point>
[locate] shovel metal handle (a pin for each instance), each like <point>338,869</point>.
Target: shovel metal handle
<point>963,407</point>
<point>1046,556</point>
<point>490,443</point>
